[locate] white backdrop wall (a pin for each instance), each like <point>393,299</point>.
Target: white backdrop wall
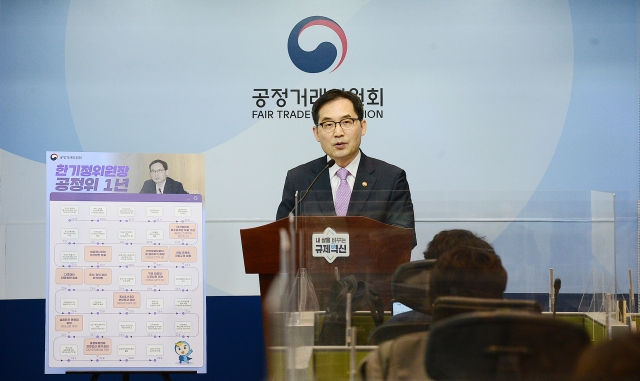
<point>498,111</point>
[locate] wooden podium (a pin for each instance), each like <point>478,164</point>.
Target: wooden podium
<point>376,250</point>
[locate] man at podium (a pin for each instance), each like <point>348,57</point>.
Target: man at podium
<point>346,182</point>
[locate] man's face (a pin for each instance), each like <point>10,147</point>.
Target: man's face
<point>158,173</point>
<point>341,145</point>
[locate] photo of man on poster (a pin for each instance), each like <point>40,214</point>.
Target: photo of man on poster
<point>160,182</point>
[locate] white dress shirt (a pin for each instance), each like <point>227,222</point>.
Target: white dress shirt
<point>160,186</point>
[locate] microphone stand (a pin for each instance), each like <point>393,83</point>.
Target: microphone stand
<point>556,290</point>
<point>330,164</point>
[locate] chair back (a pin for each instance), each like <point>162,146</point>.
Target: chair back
<point>448,306</point>
<point>504,345</point>
<point>410,285</point>
<point>390,331</point>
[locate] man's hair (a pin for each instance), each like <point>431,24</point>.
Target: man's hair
<point>448,239</point>
<point>332,95</point>
<point>616,359</point>
<point>470,271</point>
<point>164,164</point>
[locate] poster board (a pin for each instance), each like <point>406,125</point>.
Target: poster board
<point>125,270</point>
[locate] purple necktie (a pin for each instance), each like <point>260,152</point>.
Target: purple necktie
<point>343,194</point>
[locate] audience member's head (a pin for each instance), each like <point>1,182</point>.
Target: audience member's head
<point>414,289</point>
<point>468,270</point>
<point>617,359</point>
<point>448,239</point>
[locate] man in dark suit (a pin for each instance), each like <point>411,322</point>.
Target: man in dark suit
<point>376,189</point>
<point>160,181</point>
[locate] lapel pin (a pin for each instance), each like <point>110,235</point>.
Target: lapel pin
<point>364,184</point>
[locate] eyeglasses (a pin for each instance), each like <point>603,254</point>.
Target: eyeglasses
<point>330,126</point>
<point>154,171</point>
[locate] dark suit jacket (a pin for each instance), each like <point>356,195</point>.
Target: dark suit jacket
<point>385,198</point>
<point>171,187</point>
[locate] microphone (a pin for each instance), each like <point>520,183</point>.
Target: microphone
<point>556,289</point>
<point>330,164</point>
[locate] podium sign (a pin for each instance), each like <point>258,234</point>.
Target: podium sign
<point>330,245</point>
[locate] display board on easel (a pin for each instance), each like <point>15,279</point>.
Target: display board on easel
<point>125,263</point>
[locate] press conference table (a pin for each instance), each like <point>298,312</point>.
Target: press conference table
<point>331,363</point>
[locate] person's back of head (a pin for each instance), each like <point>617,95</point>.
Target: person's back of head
<point>617,359</point>
<point>448,239</point>
<point>417,284</point>
<point>472,271</point>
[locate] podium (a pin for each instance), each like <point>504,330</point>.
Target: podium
<point>376,249</point>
